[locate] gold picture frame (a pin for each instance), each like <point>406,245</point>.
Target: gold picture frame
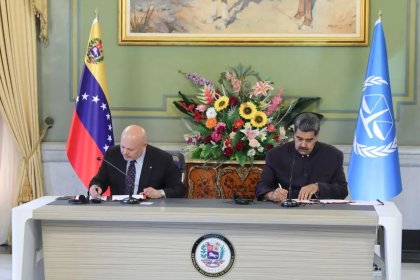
<point>188,22</point>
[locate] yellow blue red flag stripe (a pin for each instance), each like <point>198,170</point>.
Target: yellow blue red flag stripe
<point>91,131</point>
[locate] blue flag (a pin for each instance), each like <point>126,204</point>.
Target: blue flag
<point>374,169</point>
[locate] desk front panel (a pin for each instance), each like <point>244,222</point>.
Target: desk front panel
<point>162,250</point>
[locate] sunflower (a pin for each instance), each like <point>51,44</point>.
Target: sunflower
<point>247,110</point>
<point>221,103</point>
<point>259,119</point>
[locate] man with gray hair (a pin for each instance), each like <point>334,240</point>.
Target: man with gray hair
<point>317,167</point>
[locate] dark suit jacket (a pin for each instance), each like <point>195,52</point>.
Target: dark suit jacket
<point>158,171</point>
<point>323,166</point>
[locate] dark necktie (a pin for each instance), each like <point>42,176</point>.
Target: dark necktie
<point>130,178</point>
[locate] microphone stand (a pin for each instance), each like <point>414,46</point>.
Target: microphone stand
<point>130,199</point>
<point>290,202</point>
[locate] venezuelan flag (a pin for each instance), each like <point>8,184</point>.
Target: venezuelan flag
<point>91,132</point>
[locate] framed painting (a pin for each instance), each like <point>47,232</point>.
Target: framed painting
<point>244,22</point>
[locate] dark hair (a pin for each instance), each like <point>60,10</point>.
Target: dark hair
<point>307,122</point>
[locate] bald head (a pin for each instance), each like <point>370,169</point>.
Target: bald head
<point>133,142</point>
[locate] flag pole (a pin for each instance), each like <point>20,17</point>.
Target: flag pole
<point>97,13</point>
<point>380,14</point>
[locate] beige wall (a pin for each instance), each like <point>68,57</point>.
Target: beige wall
<point>139,77</point>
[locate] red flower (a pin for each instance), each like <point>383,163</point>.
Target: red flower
<point>234,128</point>
<point>208,139</point>
<point>276,137</point>
<point>269,147</point>
<point>233,101</point>
<point>228,142</point>
<point>238,123</point>
<point>228,151</point>
<point>198,117</point>
<point>190,108</point>
<point>239,146</point>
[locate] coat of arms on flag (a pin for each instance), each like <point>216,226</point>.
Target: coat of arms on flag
<point>94,52</point>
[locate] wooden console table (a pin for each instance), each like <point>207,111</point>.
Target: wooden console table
<point>204,179</point>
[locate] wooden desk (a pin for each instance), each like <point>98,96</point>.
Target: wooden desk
<point>154,242</point>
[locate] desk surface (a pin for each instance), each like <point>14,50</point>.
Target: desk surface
<point>223,203</point>
<point>210,211</point>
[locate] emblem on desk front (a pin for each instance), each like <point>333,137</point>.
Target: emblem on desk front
<point>213,255</point>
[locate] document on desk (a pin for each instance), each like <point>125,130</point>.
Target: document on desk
<point>121,197</point>
<point>326,201</point>
<point>365,203</point>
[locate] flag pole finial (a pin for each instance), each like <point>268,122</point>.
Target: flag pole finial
<point>97,13</point>
<point>380,13</point>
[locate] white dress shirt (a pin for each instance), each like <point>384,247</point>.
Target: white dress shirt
<point>139,165</point>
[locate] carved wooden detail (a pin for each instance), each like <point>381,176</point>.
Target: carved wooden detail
<point>211,180</point>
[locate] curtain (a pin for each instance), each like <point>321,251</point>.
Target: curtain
<point>19,94</point>
<point>9,163</point>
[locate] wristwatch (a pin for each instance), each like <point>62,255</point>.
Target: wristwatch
<point>162,193</point>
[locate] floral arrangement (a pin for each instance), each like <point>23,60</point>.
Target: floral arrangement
<point>236,119</point>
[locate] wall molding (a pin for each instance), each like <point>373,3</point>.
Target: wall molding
<point>56,152</point>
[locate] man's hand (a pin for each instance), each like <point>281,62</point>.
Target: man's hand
<point>277,195</point>
<point>95,191</point>
<point>306,192</point>
<point>152,193</point>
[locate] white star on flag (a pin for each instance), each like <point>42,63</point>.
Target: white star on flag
<point>95,99</point>
<point>109,127</point>
<point>109,138</point>
<point>106,147</point>
<point>77,99</point>
<point>108,116</point>
<point>103,106</point>
<point>85,96</point>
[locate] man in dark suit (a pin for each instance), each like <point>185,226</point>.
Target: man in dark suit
<point>149,169</point>
<point>317,167</point>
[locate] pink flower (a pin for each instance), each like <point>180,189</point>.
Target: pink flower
<point>216,136</point>
<point>261,88</point>
<point>220,127</point>
<point>251,134</point>
<point>275,103</point>
<point>201,108</point>
<point>281,90</point>
<point>230,76</point>
<point>254,143</point>
<point>236,85</point>
<point>271,128</point>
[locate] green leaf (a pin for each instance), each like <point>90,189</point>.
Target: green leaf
<point>247,70</point>
<point>233,70</point>
<point>224,116</point>
<point>250,160</point>
<point>216,152</point>
<point>196,153</point>
<point>241,157</point>
<point>187,100</point>
<point>204,131</point>
<point>304,102</point>
<point>231,120</point>
<point>239,69</point>
<point>267,79</point>
<point>206,151</point>
<point>237,138</point>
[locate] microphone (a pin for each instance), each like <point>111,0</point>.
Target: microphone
<point>290,202</point>
<point>128,200</point>
<point>99,158</point>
